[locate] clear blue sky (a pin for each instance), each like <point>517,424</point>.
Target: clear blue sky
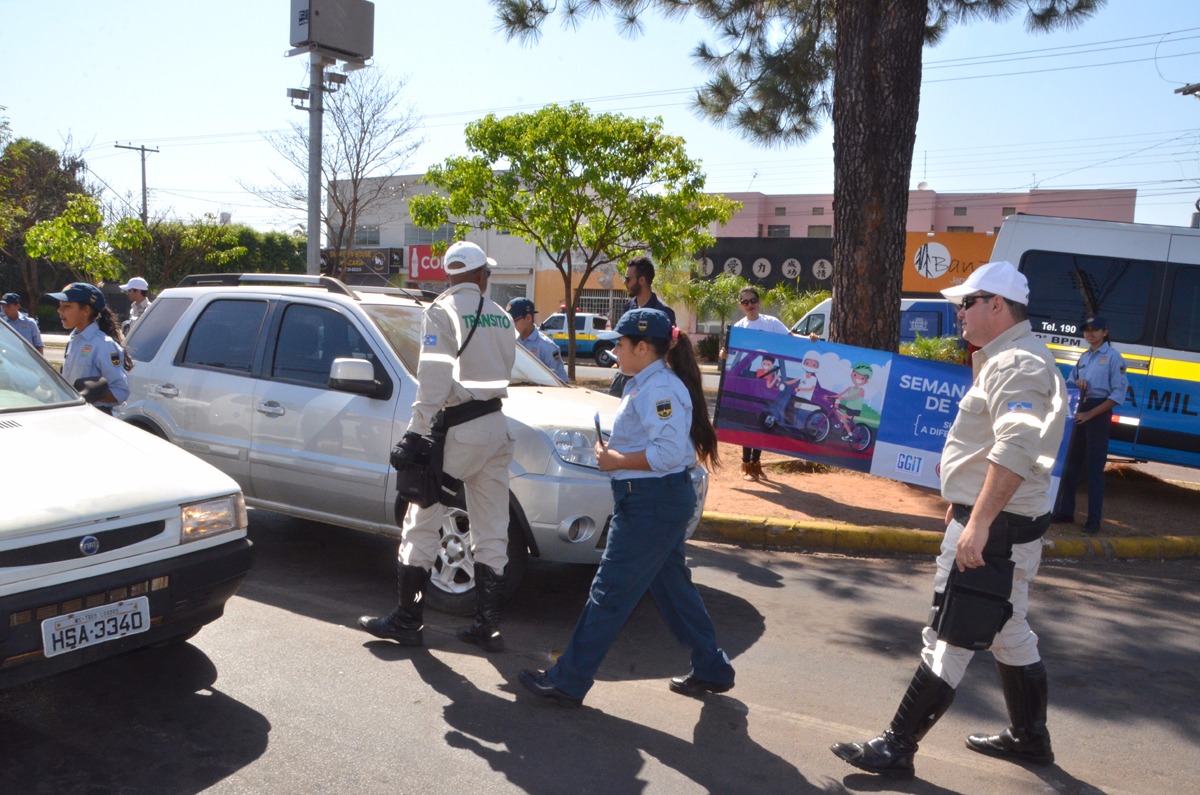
<point>1001,109</point>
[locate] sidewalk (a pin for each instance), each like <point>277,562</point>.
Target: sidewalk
<point>850,539</point>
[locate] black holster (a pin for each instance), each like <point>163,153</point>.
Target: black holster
<point>421,481</point>
<point>975,605</point>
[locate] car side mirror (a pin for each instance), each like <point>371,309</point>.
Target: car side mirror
<point>357,376</point>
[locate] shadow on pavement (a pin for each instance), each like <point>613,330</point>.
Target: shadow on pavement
<point>148,721</point>
<point>542,748</point>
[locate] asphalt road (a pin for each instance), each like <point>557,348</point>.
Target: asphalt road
<point>284,695</point>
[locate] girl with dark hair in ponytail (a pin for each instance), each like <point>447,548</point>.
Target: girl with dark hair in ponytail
<point>661,429</point>
<point>95,349</point>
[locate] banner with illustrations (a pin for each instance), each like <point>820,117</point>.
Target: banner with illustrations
<point>849,407</point>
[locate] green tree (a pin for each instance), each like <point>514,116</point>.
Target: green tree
<point>36,183</point>
<point>783,66</point>
<point>176,249</point>
<point>79,240</point>
<point>586,189</point>
<point>790,304</point>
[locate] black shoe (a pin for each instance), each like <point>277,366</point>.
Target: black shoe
<point>483,635</point>
<point>1006,745</point>
<point>1062,518</point>
<point>484,631</point>
<point>1090,531</point>
<point>691,686</point>
<point>885,756</point>
<point>537,683</point>
<point>393,627</point>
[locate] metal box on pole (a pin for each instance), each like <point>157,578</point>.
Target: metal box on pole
<point>341,26</point>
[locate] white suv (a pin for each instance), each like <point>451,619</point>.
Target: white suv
<point>110,540</point>
<point>299,386</point>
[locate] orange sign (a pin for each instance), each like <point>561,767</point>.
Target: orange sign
<point>934,261</point>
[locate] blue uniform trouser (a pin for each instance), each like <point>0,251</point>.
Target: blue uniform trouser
<point>644,552</point>
<point>1087,453</point>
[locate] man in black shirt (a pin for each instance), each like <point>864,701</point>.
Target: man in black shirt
<point>639,276</point>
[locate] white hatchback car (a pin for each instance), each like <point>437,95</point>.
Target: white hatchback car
<point>95,563</point>
<point>298,387</point>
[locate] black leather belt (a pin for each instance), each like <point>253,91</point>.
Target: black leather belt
<point>465,412</point>
<point>1017,529</point>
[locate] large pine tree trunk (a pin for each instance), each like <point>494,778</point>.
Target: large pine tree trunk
<point>876,96</point>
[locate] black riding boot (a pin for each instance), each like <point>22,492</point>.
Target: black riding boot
<point>891,753</point>
<point>489,599</point>
<point>404,624</point>
<point>1025,695</point>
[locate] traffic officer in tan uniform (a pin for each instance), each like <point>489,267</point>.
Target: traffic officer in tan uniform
<point>995,473</point>
<point>467,355</point>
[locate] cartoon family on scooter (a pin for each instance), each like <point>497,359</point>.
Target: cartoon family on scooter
<point>830,409</point>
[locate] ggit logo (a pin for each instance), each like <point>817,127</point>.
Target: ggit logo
<point>907,462</point>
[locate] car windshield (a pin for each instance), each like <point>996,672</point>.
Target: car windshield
<point>27,381</point>
<point>401,327</point>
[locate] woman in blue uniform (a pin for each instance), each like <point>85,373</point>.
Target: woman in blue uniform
<point>1100,376</point>
<point>661,428</point>
<point>94,349</point>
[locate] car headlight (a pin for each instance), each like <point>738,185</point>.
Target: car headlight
<point>575,446</point>
<point>211,517</point>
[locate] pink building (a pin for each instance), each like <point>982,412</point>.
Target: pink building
<point>811,214</point>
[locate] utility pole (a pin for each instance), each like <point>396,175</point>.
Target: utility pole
<point>1192,90</point>
<point>144,151</point>
<point>316,108</point>
<point>327,31</point>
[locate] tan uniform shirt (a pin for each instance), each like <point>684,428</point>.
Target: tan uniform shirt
<point>1013,415</point>
<point>482,371</point>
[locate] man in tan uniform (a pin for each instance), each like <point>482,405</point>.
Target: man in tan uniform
<point>996,467</point>
<point>467,354</point>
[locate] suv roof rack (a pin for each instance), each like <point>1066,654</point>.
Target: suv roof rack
<point>235,279</point>
<point>403,292</point>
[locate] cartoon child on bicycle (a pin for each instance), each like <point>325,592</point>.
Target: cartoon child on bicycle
<point>802,387</point>
<point>850,400</point>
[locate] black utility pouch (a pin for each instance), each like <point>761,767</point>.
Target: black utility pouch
<point>976,605</point>
<point>419,481</point>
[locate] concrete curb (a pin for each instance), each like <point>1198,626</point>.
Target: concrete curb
<point>762,531</point>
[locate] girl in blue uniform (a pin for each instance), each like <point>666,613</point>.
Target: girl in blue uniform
<point>661,428</point>
<point>1100,376</point>
<point>94,349</point>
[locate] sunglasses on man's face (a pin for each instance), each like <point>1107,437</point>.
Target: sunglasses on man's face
<point>971,300</point>
<point>748,301</point>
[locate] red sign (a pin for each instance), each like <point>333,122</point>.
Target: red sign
<point>424,266</point>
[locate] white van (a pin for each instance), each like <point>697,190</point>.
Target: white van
<point>919,317</point>
<point>1145,281</point>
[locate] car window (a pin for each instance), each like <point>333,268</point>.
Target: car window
<point>154,326</point>
<point>528,371</point>
<point>1065,288</point>
<point>225,334</point>
<point>813,324</point>
<point>310,338</point>
<point>554,323</point>
<point>761,367</point>
<point>1182,329</point>
<point>26,379</point>
<point>401,327</point>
